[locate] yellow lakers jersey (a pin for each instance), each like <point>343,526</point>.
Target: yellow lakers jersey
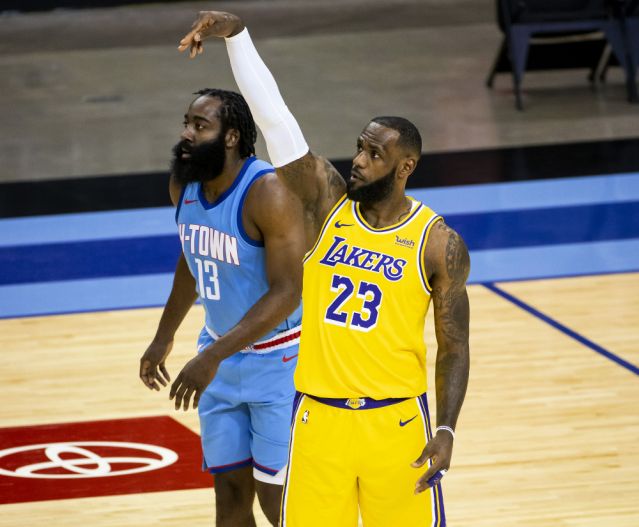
<point>365,299</point>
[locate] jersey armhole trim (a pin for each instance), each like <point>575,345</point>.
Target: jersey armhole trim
<point>240,223</point>
<point>422,251</point>
<point>327,221</point>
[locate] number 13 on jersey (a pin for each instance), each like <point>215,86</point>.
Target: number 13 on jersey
<point>365,318</point>
<point>209,285</point>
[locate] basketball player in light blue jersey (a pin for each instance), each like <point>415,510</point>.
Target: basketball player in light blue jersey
<point>242,248</point>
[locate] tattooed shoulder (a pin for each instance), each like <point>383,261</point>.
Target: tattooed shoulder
<point>456,254</point>
<point>336,183</point>
<point>298,168</point>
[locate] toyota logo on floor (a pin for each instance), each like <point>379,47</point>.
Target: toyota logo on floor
<point>83,459</point>
<point>109,457</point>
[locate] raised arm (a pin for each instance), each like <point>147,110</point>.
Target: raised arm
<point>446,257</point>
<point>312,178</point>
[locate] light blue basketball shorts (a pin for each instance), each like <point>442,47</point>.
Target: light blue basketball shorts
<point>245,413</point>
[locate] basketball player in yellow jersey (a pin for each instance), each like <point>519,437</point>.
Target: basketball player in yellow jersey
<point>376,258</point>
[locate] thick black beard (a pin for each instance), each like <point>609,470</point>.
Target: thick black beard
<point>205,164</point>
<point>373,192</point>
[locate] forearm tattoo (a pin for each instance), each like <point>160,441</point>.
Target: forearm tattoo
<point>452,314</point>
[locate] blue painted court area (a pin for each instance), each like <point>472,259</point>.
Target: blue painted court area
<point>515,231</point>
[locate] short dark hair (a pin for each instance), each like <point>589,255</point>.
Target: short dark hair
<point>409,137</point>
<point>236,114</point>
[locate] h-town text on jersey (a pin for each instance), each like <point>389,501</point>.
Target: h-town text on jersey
<point>202,240</point>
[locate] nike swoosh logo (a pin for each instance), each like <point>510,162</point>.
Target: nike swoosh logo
<point>189,201</point>
<point>286,359</point>
<point>404,423</point>
<point>339,225</point>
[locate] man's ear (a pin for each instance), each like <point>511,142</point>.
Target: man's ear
<point>232,138</point>
<point>406,167</point>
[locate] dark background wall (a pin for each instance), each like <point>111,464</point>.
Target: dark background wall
<point>46,5</point>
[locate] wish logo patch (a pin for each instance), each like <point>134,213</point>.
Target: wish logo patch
<point>404,242</point>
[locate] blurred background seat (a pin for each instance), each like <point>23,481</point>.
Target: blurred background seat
<point>591,34</point>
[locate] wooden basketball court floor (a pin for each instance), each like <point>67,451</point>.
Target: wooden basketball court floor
<point>549,432</point>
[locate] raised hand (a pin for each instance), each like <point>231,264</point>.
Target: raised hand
<point>210,24</point>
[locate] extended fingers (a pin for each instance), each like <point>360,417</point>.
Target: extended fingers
<point>179,393</point>
<point>200,29</point>
<point>425,456</point>
<point>174,387</point>
<point>433,474</point>
<point>159,378</point>
<point>149,382</point>
<point>192,40</point>
<point>431,478</point>
<point>187,399</point>
<point>165,373</point>
<point>196,49</point>
<point>187,39</point>
<point>147,375</point>
<point>419,462</point>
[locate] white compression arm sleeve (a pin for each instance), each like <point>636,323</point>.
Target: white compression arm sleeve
<point>284,139</point>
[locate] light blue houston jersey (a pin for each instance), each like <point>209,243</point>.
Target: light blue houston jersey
<point>229,268</point>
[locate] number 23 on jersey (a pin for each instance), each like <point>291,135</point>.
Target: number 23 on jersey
<point>362,319</point>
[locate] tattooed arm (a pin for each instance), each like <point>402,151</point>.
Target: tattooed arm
<point>319,186</point>
<point>446,258</point>
<point>312,178</point>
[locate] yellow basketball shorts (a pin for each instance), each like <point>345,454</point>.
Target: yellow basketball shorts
<point>356,453</point>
